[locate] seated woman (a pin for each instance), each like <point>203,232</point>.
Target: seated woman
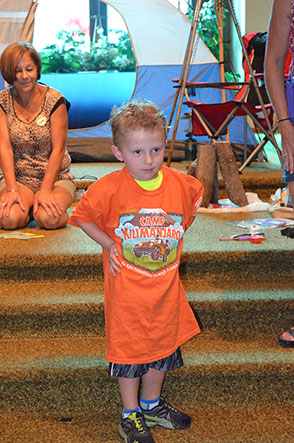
<point>33,157</point>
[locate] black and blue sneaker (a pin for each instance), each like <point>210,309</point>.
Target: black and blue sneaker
<point>167,416</point>
<point>133,429</point>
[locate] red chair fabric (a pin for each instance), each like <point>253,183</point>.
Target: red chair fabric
<point>217,116</point>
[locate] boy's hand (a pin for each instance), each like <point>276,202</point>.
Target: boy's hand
<point>99,236</point>
<point>114,264</point>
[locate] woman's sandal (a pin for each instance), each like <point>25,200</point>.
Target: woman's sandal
<point>287,343</point>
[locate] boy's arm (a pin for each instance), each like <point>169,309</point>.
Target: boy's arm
<point>99,236</point>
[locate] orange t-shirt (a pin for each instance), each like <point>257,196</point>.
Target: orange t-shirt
<point>147,315</point>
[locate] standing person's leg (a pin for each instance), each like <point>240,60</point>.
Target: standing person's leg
<point>63,193</point>
<point>291,191</point>
<point>287,337</point>
<point>16,217</point>
<point>132,426</point>
<point>129,391</point>
<point>155,409</point>
<point>152,384</point>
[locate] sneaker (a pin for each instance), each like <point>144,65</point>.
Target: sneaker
<point>166,416</point>
<point>133,429</point>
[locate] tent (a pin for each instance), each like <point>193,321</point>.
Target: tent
<point>159,33</point>
<point>16,21</point>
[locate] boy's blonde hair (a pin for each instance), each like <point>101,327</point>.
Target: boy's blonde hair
<point>136,114</point>
<point>11,57</point>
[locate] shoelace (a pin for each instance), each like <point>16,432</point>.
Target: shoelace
<point>139,425</point>
<point>171,408</point>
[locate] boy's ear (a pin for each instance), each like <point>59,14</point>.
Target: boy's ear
<point>117,153</point>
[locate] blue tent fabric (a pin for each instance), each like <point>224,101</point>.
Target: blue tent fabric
<point>153,83</point>
<point>92,94</point>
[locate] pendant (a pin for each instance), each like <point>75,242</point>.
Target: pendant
<point>41,120</point>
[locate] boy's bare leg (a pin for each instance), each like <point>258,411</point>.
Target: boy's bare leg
<point>154,408</point>
<point>132,426</point>
<point>152,384</point>
<point>129,391</point>
<point>129,388</point>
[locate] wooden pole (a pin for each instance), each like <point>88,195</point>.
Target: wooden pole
<point>219,11</point>
<point>183,79</point>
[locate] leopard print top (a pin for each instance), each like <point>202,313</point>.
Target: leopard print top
<point>31,141</point>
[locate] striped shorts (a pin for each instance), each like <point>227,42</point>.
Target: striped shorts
<point>174,361</point>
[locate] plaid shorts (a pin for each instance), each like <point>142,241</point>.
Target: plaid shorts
<point>132,371</point>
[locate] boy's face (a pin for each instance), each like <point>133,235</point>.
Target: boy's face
<point>142,151</point>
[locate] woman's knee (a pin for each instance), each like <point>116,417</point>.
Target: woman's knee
<point>16,219</point>
<point>51,222</point>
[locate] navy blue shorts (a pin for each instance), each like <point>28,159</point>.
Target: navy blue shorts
<point>132,371</point>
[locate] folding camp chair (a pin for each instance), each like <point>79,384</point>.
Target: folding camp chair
<point>213,120</point>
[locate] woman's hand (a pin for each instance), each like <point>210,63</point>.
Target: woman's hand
<point>7,200</point>
<point>114,264</point>
<point>48,202</point>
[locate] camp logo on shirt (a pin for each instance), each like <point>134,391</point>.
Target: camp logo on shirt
<point>150,238</point>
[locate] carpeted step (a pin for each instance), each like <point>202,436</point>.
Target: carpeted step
<point>57,309</point>
<point>69,376</point>
<point>68,254</point>
<point>250,424</point>
<point>249,266</point>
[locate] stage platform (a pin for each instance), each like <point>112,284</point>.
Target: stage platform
<point>237,382</point>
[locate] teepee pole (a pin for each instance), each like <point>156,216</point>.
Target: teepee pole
<point>219,11</point>
<point>183,79</point>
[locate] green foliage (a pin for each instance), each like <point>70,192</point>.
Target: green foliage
<point>207,28</point>
<point>71,55</point>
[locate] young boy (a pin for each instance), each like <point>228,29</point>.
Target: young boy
<point>139,215</point>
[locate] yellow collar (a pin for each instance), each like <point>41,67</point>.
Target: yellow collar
<point>151,185</point>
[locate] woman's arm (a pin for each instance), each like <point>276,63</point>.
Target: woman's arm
<point>105,241</point>
<point>45,197</point>
<point>6,153</point>
<point>7,166</point>
<point>277,47</point>
<point>59,125</point>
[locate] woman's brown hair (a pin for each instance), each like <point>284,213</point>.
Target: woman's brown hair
<point>11,56</point>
